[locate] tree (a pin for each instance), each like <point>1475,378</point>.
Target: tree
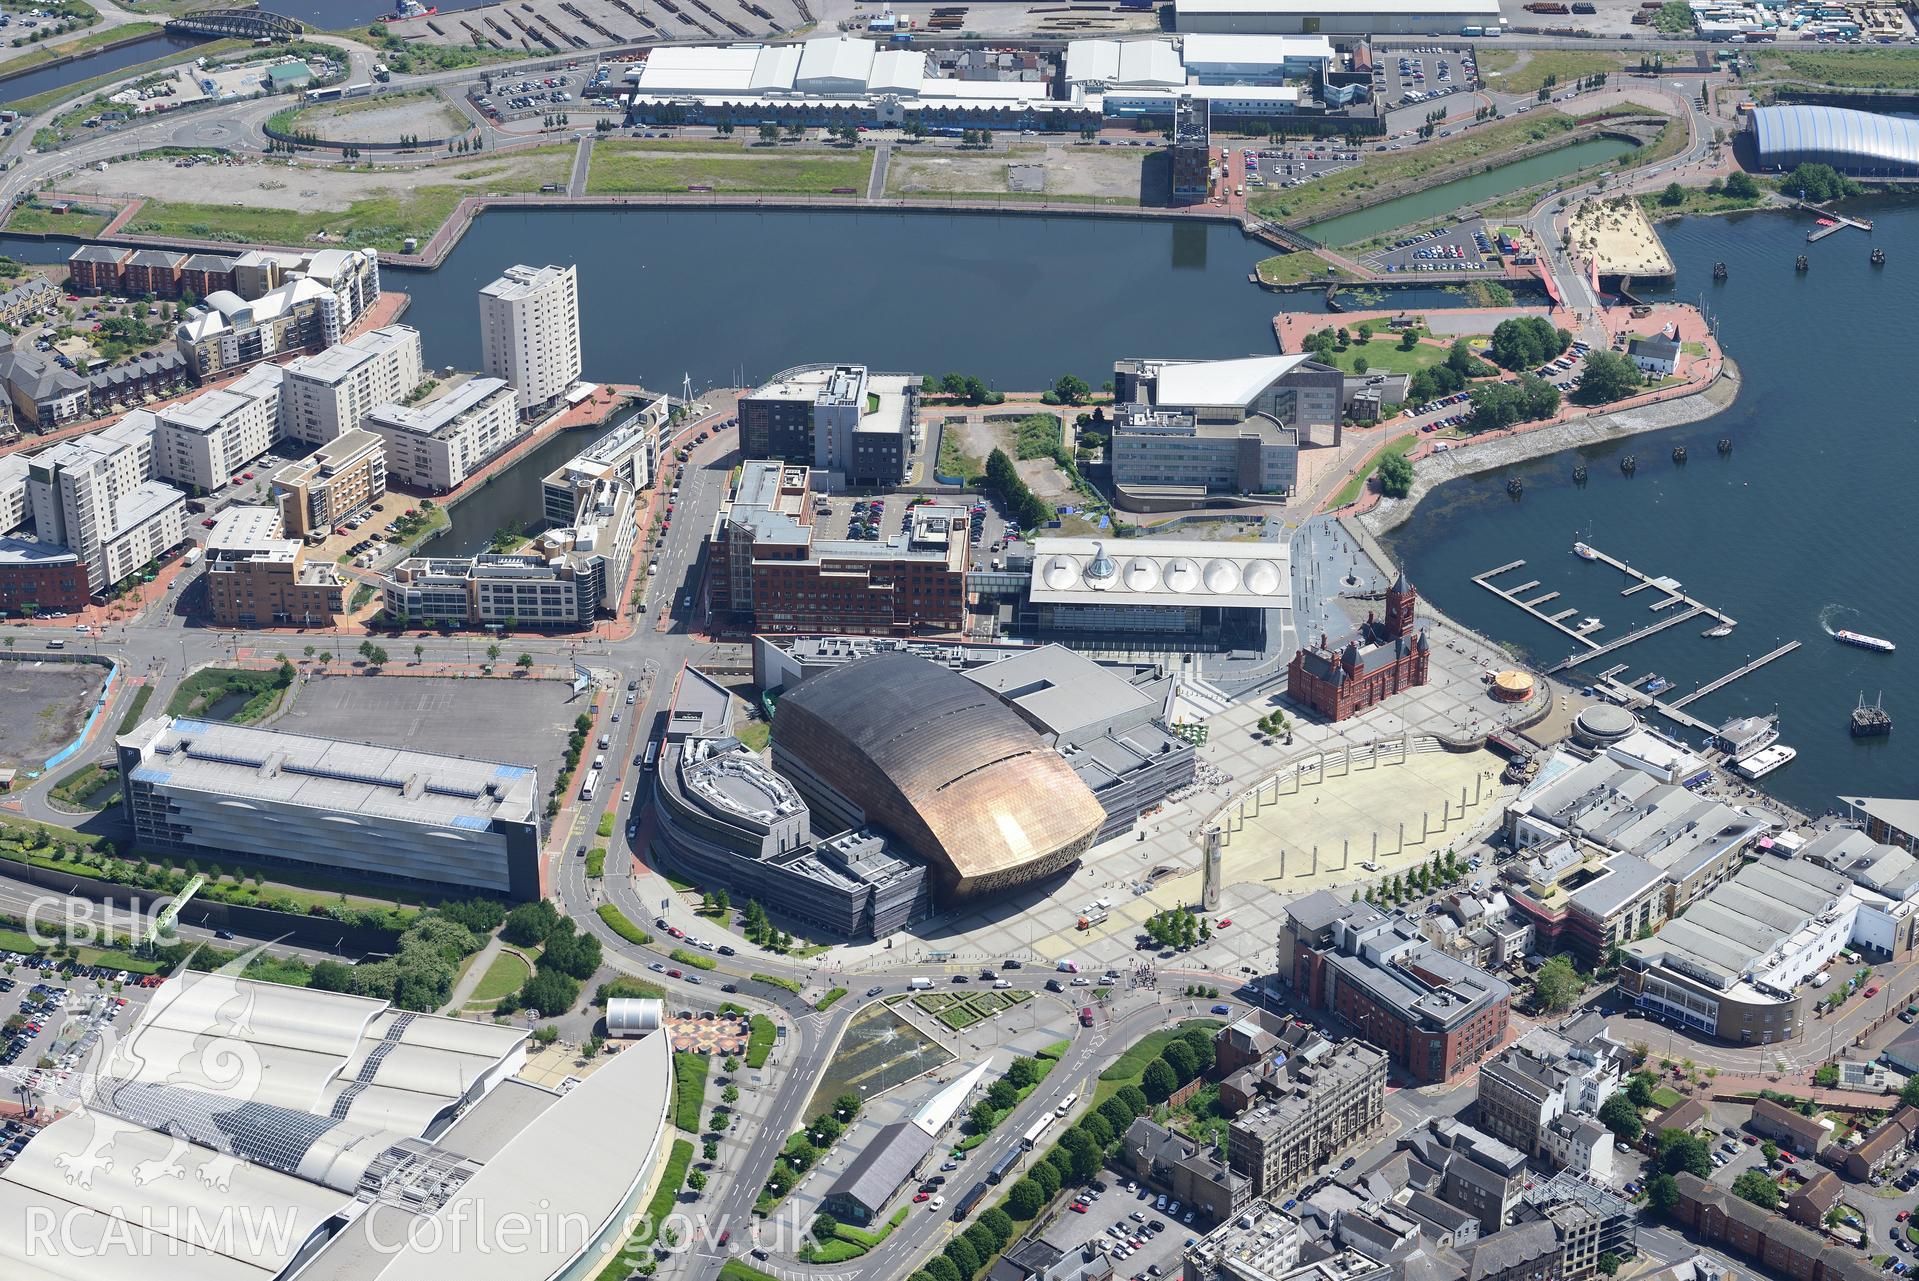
<point>1818,182</point>
<point>1739,183</point>
<point>1526,342</point>
<point>1609,376</point>
<point>1769,1150</point>
<point>1395,473</point>
<point>983,1117</point>
<point>942,1268</point>
<point>1680,1150</point>
<point>1023,1202</point>
<point>523,662</point>
<point>1826,1075</point>
<point>549,992</point>
<point>1071,389</point>
<point>1361,364</point>
<point>1409,340</point>
<point>1135,1099</point>
<point>528,924</point>
<point>1047,1176</point>
<point>963,1256</point>
<point>1662,1193</point>
<point>1022,1072</point>
<point>492,653</point>
<point>1084,1152</point>
<point>1755,1187</point>
<point>1098,1130</point>
<point>1118,1115</point>
<point>1000,1224</point>
<point>825,1226</point>
<point>1622,1118</point>
<point>980,1237</point>
<point>330,976</point>
<point>1558,985</point>
<point>1179,1056</point>
<point>1609,1262</point>
<point>1200,1042</point>
<point>1639,1089</point>
<point>419,651</point>
<point>1673,196</point>
<point>1159,1080</point>
<point>1002,1095</point>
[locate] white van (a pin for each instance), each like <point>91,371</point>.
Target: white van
<point>919,984</point>
<point>599,762</point>
<point>1821,979</point>
<point>605,741</point>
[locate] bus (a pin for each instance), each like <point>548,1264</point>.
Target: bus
<point>326,93</point>
<point>1031,1138</point>
<point>652,756</point>
<point>1066,1105</point>
<point>966,1203</point>
<point>592,782</point>
<point>1004,1166</point>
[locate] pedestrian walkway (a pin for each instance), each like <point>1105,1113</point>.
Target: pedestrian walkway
<point>463,990</point>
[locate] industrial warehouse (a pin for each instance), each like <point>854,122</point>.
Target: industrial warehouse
<point>863,822</point>
<point>841,80</point>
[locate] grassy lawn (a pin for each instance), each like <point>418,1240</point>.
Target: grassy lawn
<point>381,222</point>
<point>755,734</point>
<point>1350,492</point>
<point>1877,68</point>
<point>1383,356</point>
<point>1320,197</point>
<point>759,1041</point>
<point>954,460</point>
<point>1295,268</point>
<point>689,1091</point>
<point>1698,201</point>
<point>639,1244</point>
<point>1664,1097</point>
<point>137,708</point>
<point>777,981</point>
<point>1130,1066</point>
<point>88,788</point>
<point>13,940</point>
<point>1565,66</point>
<point>202,693</point>
<point>505,976</point>
<point>34,218</point>
<point>620,167</point>
<point>605,828</point>
<point>830,999</point>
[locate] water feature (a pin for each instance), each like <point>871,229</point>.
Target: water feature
<point>1795,532</point>
<point>879,1051</point>
<point>1441,201</point>
<point>512,496</point>
<point>29,83</point>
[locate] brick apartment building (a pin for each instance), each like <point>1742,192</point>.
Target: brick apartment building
<point>771,572</point>
<point>1433,1014</point>
<point>152,271</point>
<point>1387,655</point>
<point>1779,1246</point>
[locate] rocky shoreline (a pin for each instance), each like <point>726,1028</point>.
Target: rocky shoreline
<point>1434,470</point>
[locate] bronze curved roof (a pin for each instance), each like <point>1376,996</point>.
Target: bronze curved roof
<point>944,765</point>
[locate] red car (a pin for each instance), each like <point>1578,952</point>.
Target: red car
<point>673,974</point>
<point>208,522</point>
<point>1873,990</point>
<point>1789,1158</point>
<point>1078,1207</point>
<point>1225,921</point>
<point>921,1196</point>
<point>676,931</point>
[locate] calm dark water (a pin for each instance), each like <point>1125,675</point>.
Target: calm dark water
<point>513,496</point>
<point>158,45</point>
<point>1801,528</point>
<point>732,295</point>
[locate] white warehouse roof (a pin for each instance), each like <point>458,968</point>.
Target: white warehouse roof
<point>1209,49</point>
<point>1124,62</point>
<point>701,69</point>
<point>835,62</point>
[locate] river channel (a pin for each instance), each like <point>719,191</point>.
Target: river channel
<point>27,84</point>
<point>1441,201</point>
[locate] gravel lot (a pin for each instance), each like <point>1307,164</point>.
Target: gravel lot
<point>1071,170</point>
<point>278,185</point>
<point>46,704</point>
<point>385,121</point>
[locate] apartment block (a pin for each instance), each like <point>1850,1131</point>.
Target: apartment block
<point>95,269</point>
<point>256,578</point>
<point>36,577</point>
<point>13,492</point>
<point>279,304</point>
<point>206,788</point>
<point>1308,1107</point>
<point>772,574</point>
<point>840,420</point>
<point>152,271</point>
<point>204,441</point>
<point>436,444</point>
<point>1434,1014</point>
<point>333,391</point>
<point>96,495</point>
<point>1543,1094</point>
<point>34,294</point>
<point>340,478</point>
<point>530,332</point>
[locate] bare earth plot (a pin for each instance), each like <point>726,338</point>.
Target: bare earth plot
<point>1618,235</point>
<point>46,706</point>
<point>278,186</point>
<point>1042,476</point>
<point>1107,175</point>
<point>424,116</point>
